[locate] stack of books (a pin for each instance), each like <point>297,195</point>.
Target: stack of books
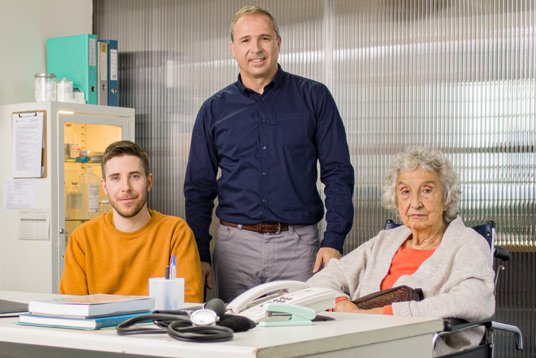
<point>85,312</point>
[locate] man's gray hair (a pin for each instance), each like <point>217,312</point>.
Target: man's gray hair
<point>253,10</point>
<point>427,159</point>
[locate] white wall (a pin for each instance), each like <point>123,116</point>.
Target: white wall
<point>24,27</point>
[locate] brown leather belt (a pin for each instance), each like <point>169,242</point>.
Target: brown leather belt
<point>262,228</point>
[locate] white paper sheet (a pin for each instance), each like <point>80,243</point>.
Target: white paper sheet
<point>28,133</point>
<point>19,194</point>
<point>34,224</point>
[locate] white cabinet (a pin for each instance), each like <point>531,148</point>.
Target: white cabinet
<point>75,137</point>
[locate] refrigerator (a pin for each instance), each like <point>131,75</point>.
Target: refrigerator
<point>50,176</point>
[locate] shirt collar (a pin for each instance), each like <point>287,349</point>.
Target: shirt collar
<point>276,82</point>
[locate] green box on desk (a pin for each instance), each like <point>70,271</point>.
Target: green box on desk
<point>75,57</point>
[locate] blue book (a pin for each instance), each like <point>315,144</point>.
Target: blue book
<point>113,73</point>
<point>76,323</point>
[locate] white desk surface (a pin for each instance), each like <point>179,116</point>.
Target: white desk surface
<point>346,333</point>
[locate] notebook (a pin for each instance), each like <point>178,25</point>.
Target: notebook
<point>11,308</point>
<point>91,305</point>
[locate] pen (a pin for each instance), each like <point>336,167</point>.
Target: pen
<point>168,271</point>
<point>172,268</point>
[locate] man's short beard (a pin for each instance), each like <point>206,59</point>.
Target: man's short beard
<point>137,211</point>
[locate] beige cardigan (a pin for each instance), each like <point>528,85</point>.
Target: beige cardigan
<point>457,280</point>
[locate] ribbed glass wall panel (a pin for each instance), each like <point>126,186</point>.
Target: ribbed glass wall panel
<point>454,74</point>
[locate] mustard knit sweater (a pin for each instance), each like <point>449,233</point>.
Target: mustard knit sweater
<point>102,259</point>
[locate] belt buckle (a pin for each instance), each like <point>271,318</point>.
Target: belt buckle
<point>278,230</point>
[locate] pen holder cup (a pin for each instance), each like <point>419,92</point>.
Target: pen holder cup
<point>168,294</point>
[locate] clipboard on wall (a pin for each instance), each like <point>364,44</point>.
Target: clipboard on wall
<point>29,151</point>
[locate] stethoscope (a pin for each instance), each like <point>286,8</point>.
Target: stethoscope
<point>197,326</point>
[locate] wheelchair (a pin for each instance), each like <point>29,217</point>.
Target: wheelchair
<point>454,325</point>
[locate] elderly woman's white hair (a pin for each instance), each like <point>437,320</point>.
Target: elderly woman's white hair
<point>427,159</point>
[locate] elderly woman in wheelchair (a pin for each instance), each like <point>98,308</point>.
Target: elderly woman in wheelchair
<point>433,250</point>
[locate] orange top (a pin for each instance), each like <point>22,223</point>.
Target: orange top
<point>102,259</point>
<point>405,262</point>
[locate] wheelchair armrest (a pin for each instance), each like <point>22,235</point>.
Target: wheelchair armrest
<point>457,324</point>
<point>512,329</point>
<point>453,325</point>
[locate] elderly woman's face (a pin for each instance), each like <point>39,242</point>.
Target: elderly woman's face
<point>419,197</point>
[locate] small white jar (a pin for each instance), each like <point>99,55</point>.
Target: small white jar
<point>45,87</point>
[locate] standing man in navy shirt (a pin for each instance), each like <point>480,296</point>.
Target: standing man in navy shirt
<point>266,133</point>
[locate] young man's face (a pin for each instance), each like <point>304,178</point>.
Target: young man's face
<point>127,185</point>
<point>255,47</point>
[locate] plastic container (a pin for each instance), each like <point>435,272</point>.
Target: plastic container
<point>167,294</point>
<point>78,96</point>
<point>82,156</point>
<point>71,147</point>
<point>45,87</point>
<point>91,187</point>
<point>74,203</point>
<point>64,91</point>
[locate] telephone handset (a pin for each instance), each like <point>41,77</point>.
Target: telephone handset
<point>252,303</point>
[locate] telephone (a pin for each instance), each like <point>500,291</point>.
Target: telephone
<point>252,303</point>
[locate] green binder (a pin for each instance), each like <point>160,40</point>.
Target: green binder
<point>75,57</point>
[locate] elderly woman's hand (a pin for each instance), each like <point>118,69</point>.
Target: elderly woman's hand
<point>349,306</point>
<point>346,306</point>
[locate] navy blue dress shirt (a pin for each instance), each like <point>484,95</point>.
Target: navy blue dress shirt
<point>267,147</point>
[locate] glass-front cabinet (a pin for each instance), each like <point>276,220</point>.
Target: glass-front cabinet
<point>68,194</point>
<point>83,147</point>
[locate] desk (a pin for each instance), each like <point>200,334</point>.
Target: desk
<point>348,335</point>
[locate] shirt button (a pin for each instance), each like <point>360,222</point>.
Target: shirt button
<point>263,173</point>
<point>263,147</point>
<point>264,201</point>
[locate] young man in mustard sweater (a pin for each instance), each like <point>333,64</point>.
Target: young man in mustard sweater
<point>119,251</point>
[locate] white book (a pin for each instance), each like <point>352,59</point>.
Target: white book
<point>91,305</point>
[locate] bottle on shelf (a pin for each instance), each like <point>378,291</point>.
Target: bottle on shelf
<point>91,189</point>
<point>74,203</point>
<point>70,138</point>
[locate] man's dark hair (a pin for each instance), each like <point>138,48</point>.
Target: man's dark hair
<point>125,147</point>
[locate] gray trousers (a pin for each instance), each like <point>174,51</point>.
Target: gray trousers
<point>244,259</point>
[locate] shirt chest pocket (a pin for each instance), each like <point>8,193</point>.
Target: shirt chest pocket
<point>293,129</point>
